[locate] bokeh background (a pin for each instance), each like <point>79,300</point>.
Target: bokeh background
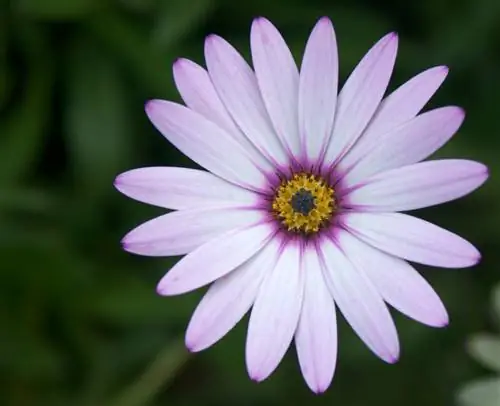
<point>80,322</point>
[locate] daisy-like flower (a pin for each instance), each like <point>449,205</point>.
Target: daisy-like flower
<point>298,212</point>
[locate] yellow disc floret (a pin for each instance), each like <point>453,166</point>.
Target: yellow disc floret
<point>304,203</point>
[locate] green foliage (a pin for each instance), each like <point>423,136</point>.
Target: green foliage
<point>485,348</point>
<point>80,322</point>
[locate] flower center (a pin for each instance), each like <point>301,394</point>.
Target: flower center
<point>304,204</point>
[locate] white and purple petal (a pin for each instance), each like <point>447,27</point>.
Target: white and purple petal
<point>360,96</point>
<point>278,80</point>
<point>318,90</point>
<point>236,85</point>
<point>358,300</point>
<point>181,232</point>
<point>229,298</point>
<point>182,188</point>
<point>275,313</point>
<point>419,185</point>
<point>398,282</point>
<point>214,259</point>
<point>412,239</point>
<point>205,143</point>
<point>316,335</point>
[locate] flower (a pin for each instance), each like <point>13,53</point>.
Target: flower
<point>299,212</point>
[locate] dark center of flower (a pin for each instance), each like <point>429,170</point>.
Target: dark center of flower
<point>302,202</point>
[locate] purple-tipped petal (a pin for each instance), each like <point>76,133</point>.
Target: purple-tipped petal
<point>214,259</point>
<point>181,232</point>
<point>412,239</point>
<point>228,299</point>
<point>205,143</point>
<point>398,282</point>
<point>400,106</point>
<point>182,188</point>
<point>199,94</point>
<point>409,143</point>
<point>237,87</point>
<point>318,89</point>
<point>316,335</point>
<point>275,314</point>
<point>278,80</point>
<point>420,185</point>
<point>358,300</point>
<point>361,95</point>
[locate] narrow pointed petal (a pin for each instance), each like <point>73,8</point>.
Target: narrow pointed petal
<point>182,188</point>
<point>205,143</point>
<point>361,95</point>
<point>420,185</point>
<point>400,106</point>
<point>398,283</point>
<point>228,299</point>
<point>181,232</point>
<point>275,314</point>
<point>412,239</point>
<point>409,143</point>
<point>278,80</point>
<point>237,87</point>
<point>214,259</point>
<point>358,300</point>
<point>318,89</point>
<point>199,94</point>
<point>316,336</point>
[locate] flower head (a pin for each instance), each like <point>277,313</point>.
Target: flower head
<point>298,213</point>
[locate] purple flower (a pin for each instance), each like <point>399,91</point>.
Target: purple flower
<point>299,210</point>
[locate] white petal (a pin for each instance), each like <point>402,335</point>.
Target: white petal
<point>237,87</point>
<point>409,143</point>
<point>420,185</point>
<point>318,89</point>
<point>181,232</point>
<point>205,143</point>
<point>198,92</point>
<point>182,188</point>
<point>412,239</point>
<point>228,299</point>
<point>361,95</point>
<point>316,336</point>
<point>278,80</point>
<point>214,259</point>
<point>398,282</point>
<point>400,106</point>
<point>275,314</point>
<point>357,299</point>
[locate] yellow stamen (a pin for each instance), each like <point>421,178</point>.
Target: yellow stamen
<point>304,203</point>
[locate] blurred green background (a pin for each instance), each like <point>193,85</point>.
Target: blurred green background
<point>80,322</point>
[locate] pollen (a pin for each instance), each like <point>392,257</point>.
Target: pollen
<point>304,204</point>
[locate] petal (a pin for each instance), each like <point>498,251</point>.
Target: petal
<point>205,143</point>
<point>316,336</point>
<point>198,92</point>
<point>275,314</point>
<point>361,95</point>
<point>228,299</point>
<point>412,239</point>
<point>237,87</point>
<point>409,143</point>
<point>318,89</point>
<point>278,80</point>
<point>357,299</point>
<point>400,106</point>
<point>180,232</point>
<point>181,188</point>
<point>420,185</point>
<point>214,259</point>
<point>398,282</point>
